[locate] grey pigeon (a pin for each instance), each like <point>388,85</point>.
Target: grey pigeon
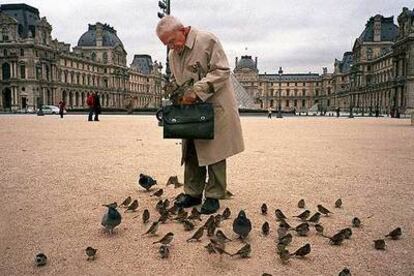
<point>146,181</point>
<point>242,225</point>
<point>111,219</point>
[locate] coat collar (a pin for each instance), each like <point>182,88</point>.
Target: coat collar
<point>189,42</point>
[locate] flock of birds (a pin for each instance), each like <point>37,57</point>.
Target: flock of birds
<point>242,226</point>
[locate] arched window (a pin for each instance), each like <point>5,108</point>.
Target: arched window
<point>6,71</point>
<point>4,34</point>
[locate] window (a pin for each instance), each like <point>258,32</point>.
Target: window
<point>303,92</point>
<point>4,34</point>
<point>287,103</point>
<point>296,84</point>
<point>287,92</point>
<point>304,84</point>
<point>303,103</point>
<point>295,103</point>
<point>316,92</point>
<point>22,52</point>
<point>6,71</point>
<point>22,71</point>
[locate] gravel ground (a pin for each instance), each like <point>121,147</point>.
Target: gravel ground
<point>55,174</point>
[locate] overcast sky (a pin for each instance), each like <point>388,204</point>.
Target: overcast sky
<point>300,35</point>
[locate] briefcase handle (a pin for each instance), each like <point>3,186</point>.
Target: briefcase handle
<point>159,115</point>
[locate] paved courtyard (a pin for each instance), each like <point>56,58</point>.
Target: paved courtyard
<point>55,174</point>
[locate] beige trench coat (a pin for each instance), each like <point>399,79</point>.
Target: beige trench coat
<point>204,48</point>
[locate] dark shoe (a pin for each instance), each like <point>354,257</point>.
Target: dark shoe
<point>210,206</point>
<point>187,201</point>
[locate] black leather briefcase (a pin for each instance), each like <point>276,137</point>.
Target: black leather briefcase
<point>192,121</point>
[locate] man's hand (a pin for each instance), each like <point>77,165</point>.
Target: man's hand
<point>189,97</point>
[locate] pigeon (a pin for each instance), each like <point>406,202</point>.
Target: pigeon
<point>301,203</point>
<point>153,228</point>
<point>90,252</point>
<point>126,202</point>
<point>113,205</point>
<point>302,229</point>
<point>323,210</point>
<point>338,203</point>
<point>195,214</point>
<point>265,228</point>
<point>279,215</point>
<point>303,251</point>
<point>226,214</point>
<point>158,193</point>
<point>133,207</point>
<point>319,228</point>
<point>395,234</point>
<point>337,239</point>
<point>166,240</point>
<point>244,252</point>
<point>145,216</point>
<point>303,216</point>
<point>242,225</point>
<point>210,248</point>
<point>356,222</point>
<point>40,259</point>
<point>221,237</point>
<point>197,235</point>
<point>188,225</point>
<point>315,217</point>
<point>284,255</point>
<point>347,233</point>
<point>146,181</point>
<point>264,209</point>
<point>111,219</point>
<point>285,240</point>
<point>345,272</point>
<point>379,244</point>
<point>164,251</point>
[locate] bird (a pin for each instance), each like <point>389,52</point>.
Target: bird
<point>133,207</point>
<point>111,219</point>
<point>356,222</point>
<point>283,223</point>
<point>173,210</point>
<point>265,228</point>
<point>211,228</point>
<point>210,248</point>
<point>164,216</point>
<point>226,213</point>
<point>219,247</point>
<point>126,202</point>
<point>182,215</point>
<point>379,244</point>
<point>337,239</point>
<point>303,251</point>
<point>301,203</point>
<point>315,217</point>
<point>303,216</point>
<point>338,203</point>
<point>159,206</point>
<point>146,181</point>
<point>217,220</point>
<point>242,225</point>
<point>264,209</point>
<point>166,204</point>
<point>40,259</point>
<point>113,205</point>
<point>285,240</point>
<point>323,210</point>
<point>209,221</point>
<point>266,274</point>
<point>244,252</point>
<point>172,180</point>
<point>153,228</point>
<point>347,233</point>
<point>221,237</point>
<point>166,240</point>
<point>195,214</point>
<point>302,229</point>
<point>284,255</point>
<point>188,225</point>
<point>279,215</point>
<point>145,216</point>
<point>164,251</point>
<point>197,235</point>
<point>158,193</point>
<point>319,228</point>
<point>395,234</point>
<point>282,231</point>
<point>90,252</point>
<point>345,272</point>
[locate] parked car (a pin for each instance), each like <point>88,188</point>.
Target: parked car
<point>50,109</point>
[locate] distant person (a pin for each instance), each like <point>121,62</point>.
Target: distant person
<point>96,106</point>
<point>337,111</point>
<point>90,103</point>
<point>62,105</point>
<point>269,113</point>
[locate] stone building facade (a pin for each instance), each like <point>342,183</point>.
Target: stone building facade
<point>36,69</point>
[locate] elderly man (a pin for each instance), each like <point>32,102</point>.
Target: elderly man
<point>194,51</point>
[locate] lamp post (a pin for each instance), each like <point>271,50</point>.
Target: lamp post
<point>165,6</point>
<point>279,112</point>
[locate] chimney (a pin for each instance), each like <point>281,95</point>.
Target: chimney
<point>237,61</point>
<point>377,28</point>
<point>99,27</point>
<point>325,70</point>
<point>255,62</point>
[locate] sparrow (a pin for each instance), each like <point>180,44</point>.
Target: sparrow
<point>219,247</point>
<point>395,234</point>
<point>145,216</point>
<point>228,194</point>
<point>217,220</point>
<point>279,215</point>
<point>242,225</point>
<point>153,228</point>
<point>146,181</point>
<point>126,202</point>
<point>379,244</point>
<point>221,237</point>
<point>163,217</point>
<point>158,193</point>
<point>347,233</point>
<point>164,251</point>
<point>303,216</point>
<point>323,210</point>
<point>182,215</point>
<point>302,229</point>
<point>356,222</point>
<point>284,224</point>
<point>315,217</point>
<point>265,228</point>
<point>113,205</point>
<point>211,228</point>
<point>159,206</point>
<point>284,255</point>
<point>90,252</point>
<point>133,207</point>
<point>111,219</point>
<point>345,272</point>
<point>209,221</point>
<point>210,248</point>
<point>195,214</point>
<point>319,228</point>
<point>264,209</point>
<point>338,203</point>
<point>166,240</point>
<point>188,225</point>
<point>166,204</point>
<point>303,251</point>
<point>337,239</point>
<point>285,240</point>
<point>172,180</point>
<point>173,210</point>
<point>282,231</point>
<point>40,259</point>
<point>226,213</point>
<point>197,235</point>
<point>244,252</point>
<point>301,203</point>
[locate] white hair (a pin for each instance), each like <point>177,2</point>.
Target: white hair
<point>168,24</point>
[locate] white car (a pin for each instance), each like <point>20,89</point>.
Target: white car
<point>51,109</point>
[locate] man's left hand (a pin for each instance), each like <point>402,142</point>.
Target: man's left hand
<point>189,98</point>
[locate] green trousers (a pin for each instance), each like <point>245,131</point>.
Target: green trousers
<point>195,176</point>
